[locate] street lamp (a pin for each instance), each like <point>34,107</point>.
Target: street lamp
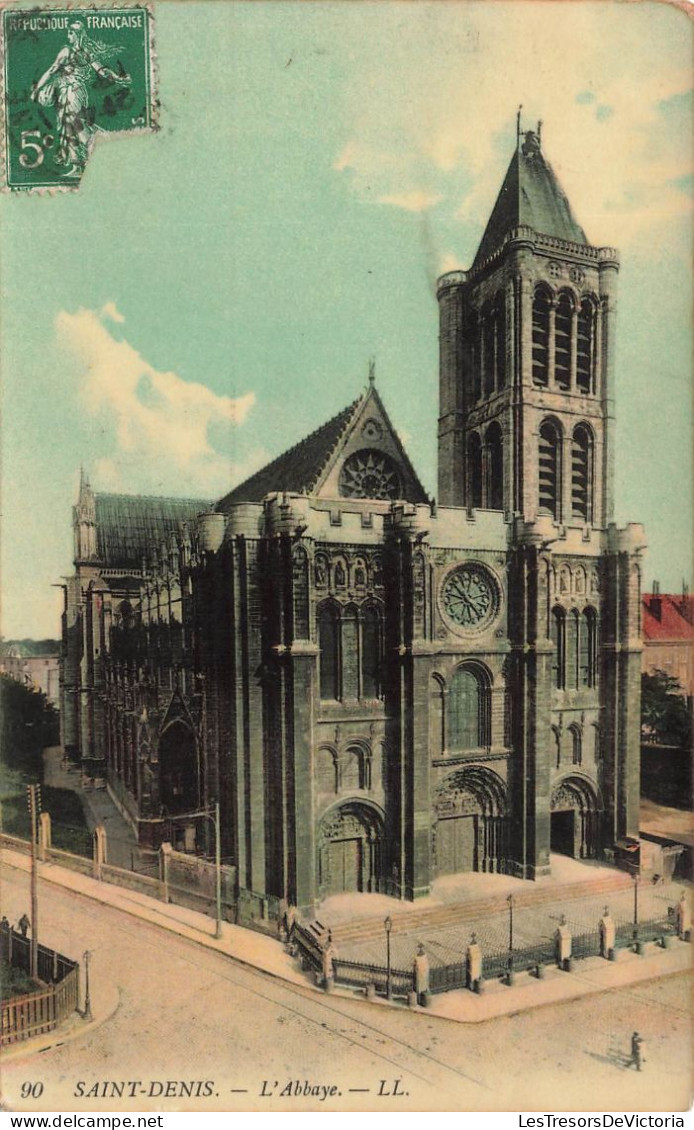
<point>509,900</point>
<point>635,877</point>
<point>87,1014</point>
<point>388,926</point>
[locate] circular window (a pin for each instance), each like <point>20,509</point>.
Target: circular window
<point>470,597</point>
<point>369,474</point>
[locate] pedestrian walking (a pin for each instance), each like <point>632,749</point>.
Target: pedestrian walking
<point>638,1051</point>
<point>24,925</point>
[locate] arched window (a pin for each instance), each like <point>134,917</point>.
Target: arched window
<point>562,340</point>
<point>550,469</point>
<point>576,744</point>
<point>352,774</point>
<point>488,343</point>
<point>437,699</point>
<point>573,635</point>
<point>495,467</point>
<point>468,710</point>
<point>329,648</point>
<point>474,333</point>
<point>500,320</point>
<point>588,658</point>
<point>581,473</point>
<point>584,347</point>
<point>371,652</point>
<point>541,308</point>
<point>326,771</point>
<point>350,653</point>
<point>558,634</point>
<point>474,470</point>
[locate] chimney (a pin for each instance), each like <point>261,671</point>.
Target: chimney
<point>655,604</point>
<point>687,604</point>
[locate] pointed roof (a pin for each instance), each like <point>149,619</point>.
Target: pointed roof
<point>305,468</point>
<point>299,468</point>
<point>532,197</point>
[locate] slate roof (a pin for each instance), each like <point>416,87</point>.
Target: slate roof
<point>298,469</point>
<point>530,196</point>
<point>676,619</point>
<point>128,526</point>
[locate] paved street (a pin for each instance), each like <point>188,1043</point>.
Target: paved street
<point>186,1014</point>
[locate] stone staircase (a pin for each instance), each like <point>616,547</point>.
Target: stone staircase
<point>441,916</point>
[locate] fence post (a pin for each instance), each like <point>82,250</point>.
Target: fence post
<point>99,850</point>
<point>562,944</point>
<point>607,935</point>
<point>473,965</point>
<point>329,953</point>
<point>164,860</point>
<point>421,976</point>
<point>684,918</point>
<point>44,835</point>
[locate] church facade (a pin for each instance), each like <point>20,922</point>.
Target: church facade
<point>376,688</point>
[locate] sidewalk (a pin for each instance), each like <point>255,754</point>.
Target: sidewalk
<point>258,951</point>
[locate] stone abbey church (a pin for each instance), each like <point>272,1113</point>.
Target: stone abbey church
<point>379,689</point>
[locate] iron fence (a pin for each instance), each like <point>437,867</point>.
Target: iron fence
<point>360,974</point>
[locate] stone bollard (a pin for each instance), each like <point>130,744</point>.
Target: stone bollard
<point>421,975</point>
<point>370,991</point>
<point>473,963</point>
<point>666,941</point>
<point>640,948</point>
<point>612,954</point>
<point>478,985</point>
<point>328,970</point>
<point>540,971</point>
<point>44,835</point>
<point>510,978</point>
<point>412,999</point>
<point>562,945</point>
<point>607,935</point>
<point>683,918</point>
<point>100,855</point>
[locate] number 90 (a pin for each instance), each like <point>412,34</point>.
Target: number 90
<point>32,1090</point>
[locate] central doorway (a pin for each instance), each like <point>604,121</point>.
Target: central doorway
<point>344,867</point>
<point>563,833</point>
<point>457,845</point>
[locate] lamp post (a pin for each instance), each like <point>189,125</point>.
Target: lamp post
<point>509,900</point>
<point>635,876</point>
<point>34,799</point>
<point>87,1014</point>
<point>388,926</point>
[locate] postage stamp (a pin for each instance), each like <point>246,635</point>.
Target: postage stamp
<point>69,76</point>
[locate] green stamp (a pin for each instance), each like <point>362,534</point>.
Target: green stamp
<point>69,76</point>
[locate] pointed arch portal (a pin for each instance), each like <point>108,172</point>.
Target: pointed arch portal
<point>576,813</point>
<point>470,827</point>
<point>350,855</point>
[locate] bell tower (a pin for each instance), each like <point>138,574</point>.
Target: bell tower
<point>526,359</point>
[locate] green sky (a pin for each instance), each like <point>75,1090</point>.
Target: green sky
<point>214,291</point>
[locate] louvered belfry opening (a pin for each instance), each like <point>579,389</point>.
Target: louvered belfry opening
<point>549,469</point>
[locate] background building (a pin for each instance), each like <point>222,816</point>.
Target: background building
<point>668,636</point>
<point>379,689</point>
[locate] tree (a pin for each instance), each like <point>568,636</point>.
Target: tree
<point>665,712</point>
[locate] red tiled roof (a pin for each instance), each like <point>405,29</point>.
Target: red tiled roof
<point>675,621</point>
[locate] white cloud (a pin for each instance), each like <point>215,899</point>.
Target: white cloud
<point>157,424</point>
<point>110,310</point>
<point>593,72</point>
<point>412,201</point>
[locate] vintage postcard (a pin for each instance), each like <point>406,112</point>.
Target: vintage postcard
<point>346,665</point>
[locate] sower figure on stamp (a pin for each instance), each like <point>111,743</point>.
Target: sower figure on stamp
<point>64,85</point>
<point>638,1051</point>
